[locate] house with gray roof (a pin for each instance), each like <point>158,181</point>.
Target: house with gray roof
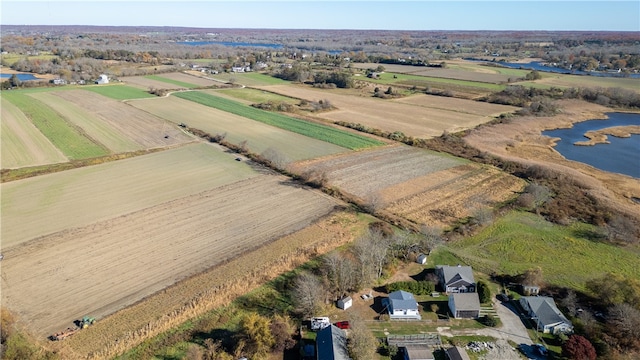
<point>457,353</point>
<point>456,279</point>
<point>402,305</point>
<point>331,344</point>
<point>548,317</point>
<point>464,305</point>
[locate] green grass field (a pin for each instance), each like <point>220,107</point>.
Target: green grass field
<point>257,96</point>
<point>321,132</point>
<point>119,92</point>
<point>569,256</point>
<point>12,58</point>
<point>72,143</point>
<point>171,81</point>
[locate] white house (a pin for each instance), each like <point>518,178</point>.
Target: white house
<point>402,305</point>
<point>421,259</point>
<point>543,310</point>
<point>103,79</point>
<point>464,305</point>
<point>456,279</point>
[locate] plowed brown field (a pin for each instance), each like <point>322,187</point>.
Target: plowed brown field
<point>418,185</point>
<point>105,266</point>
<point>422,119</point>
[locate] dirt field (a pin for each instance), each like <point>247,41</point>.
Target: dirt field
<point>421,186</point>
<point>107,265</point>
<point>259,136</point>
<point>521,140</point>
<point>459,74</point>
<point>21,143</point>
<point>96,128</point>
<point>422,120</point>
<point>138,126</point>
<point>462,106</point>
<point>47,204</point>
<point>191,79</point>
<point>143,83</point>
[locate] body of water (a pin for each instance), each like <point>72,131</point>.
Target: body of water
<point>536,65</point>
<point>230,43</point>
<point>21,77</point>
<point>621,156</point>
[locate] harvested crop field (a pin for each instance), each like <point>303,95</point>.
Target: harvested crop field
<point>46,204</point>
<point>459,74</point>
<point>144,83</point>
<point>135,125</point>
<point>100,131</point>
<point>108,265</point>
<point>259,136</point>
<point>417,121</point>
<point>198,81</point>
<point>464,106</point>
<point>22,144</point>
<point>419,185</point>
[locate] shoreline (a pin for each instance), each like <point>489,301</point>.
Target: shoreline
<point>600,136</point>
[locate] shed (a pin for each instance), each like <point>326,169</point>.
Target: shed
<point>457,353</point>
<point>345,302</point>
<point>103,79</point>
<point>464,305</point>
<point>421,259</point>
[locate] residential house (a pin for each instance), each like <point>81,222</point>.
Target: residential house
<point>402,305</point>
<point>331,344</point>
<point>103,79</point>
<point>464,305</point>
<point>457,353</point>
<point>58,81</point>
<point>456,279</point>
<point>413,352</point>
<point>543,310</point>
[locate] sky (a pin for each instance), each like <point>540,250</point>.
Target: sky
<point>547,15</point>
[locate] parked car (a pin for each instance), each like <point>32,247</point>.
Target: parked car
<point>502,297</point>
<point>542,350</point>
<point>342,324</point>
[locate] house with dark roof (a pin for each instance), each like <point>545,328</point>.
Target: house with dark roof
<point>331,344</point>
<point>464,305</point>
<point>456,353</point>
<point>456,279</point>
<point>402,305</point>
<point>417,353</point>
<point>543,310</point>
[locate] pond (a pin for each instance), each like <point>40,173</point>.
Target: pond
<point>21,77</point>
<point>536,65</point>
<point>621,156</point>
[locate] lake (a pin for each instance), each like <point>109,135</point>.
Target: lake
<point>230,43</point>
<point>621,156</point>
<point>21,77</point>
<point>536,65</point>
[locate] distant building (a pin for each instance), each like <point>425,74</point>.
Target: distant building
<point>417,353</point>
<point>58,81</point>
<point>345,303</point>
<point>457,353</point>
<point>103,79</point>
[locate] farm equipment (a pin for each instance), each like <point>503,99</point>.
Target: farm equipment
<point>85,322</point>
<point>64,334</point>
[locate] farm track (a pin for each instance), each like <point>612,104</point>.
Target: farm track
<point>106,266</point>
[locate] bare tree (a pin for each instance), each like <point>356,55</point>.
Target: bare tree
<point>623,325</point>
<point>432,237</point>
<point>307,293</point>
<point>341,273</point>
<point>362,344</point>
<point>570,301</point>
<point>278,159</point>
<point>533,277</point>
<point>371,251</point>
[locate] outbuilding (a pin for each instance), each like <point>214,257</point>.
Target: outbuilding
<point>345,302</point>
<point>103,79</point>
<point>421,259</point>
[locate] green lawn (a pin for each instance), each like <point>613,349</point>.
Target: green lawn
<point>171,81</point>
<point>569,256</point>
<point>73,143</point>
<point>119,92</point>
<point>317,131</point>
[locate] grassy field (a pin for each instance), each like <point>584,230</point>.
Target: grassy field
<point>172,81</point>
<point>566,81</point>
<point>11,58</point>
<point>425,81</point>
<point>113,139</point>
<point>254,96</point>
<point>119,92</point>
<point>21,143</point>
<point>568,256</point>
<point>73,143</point>
<point>250,79</point>
<point>316,131</point>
